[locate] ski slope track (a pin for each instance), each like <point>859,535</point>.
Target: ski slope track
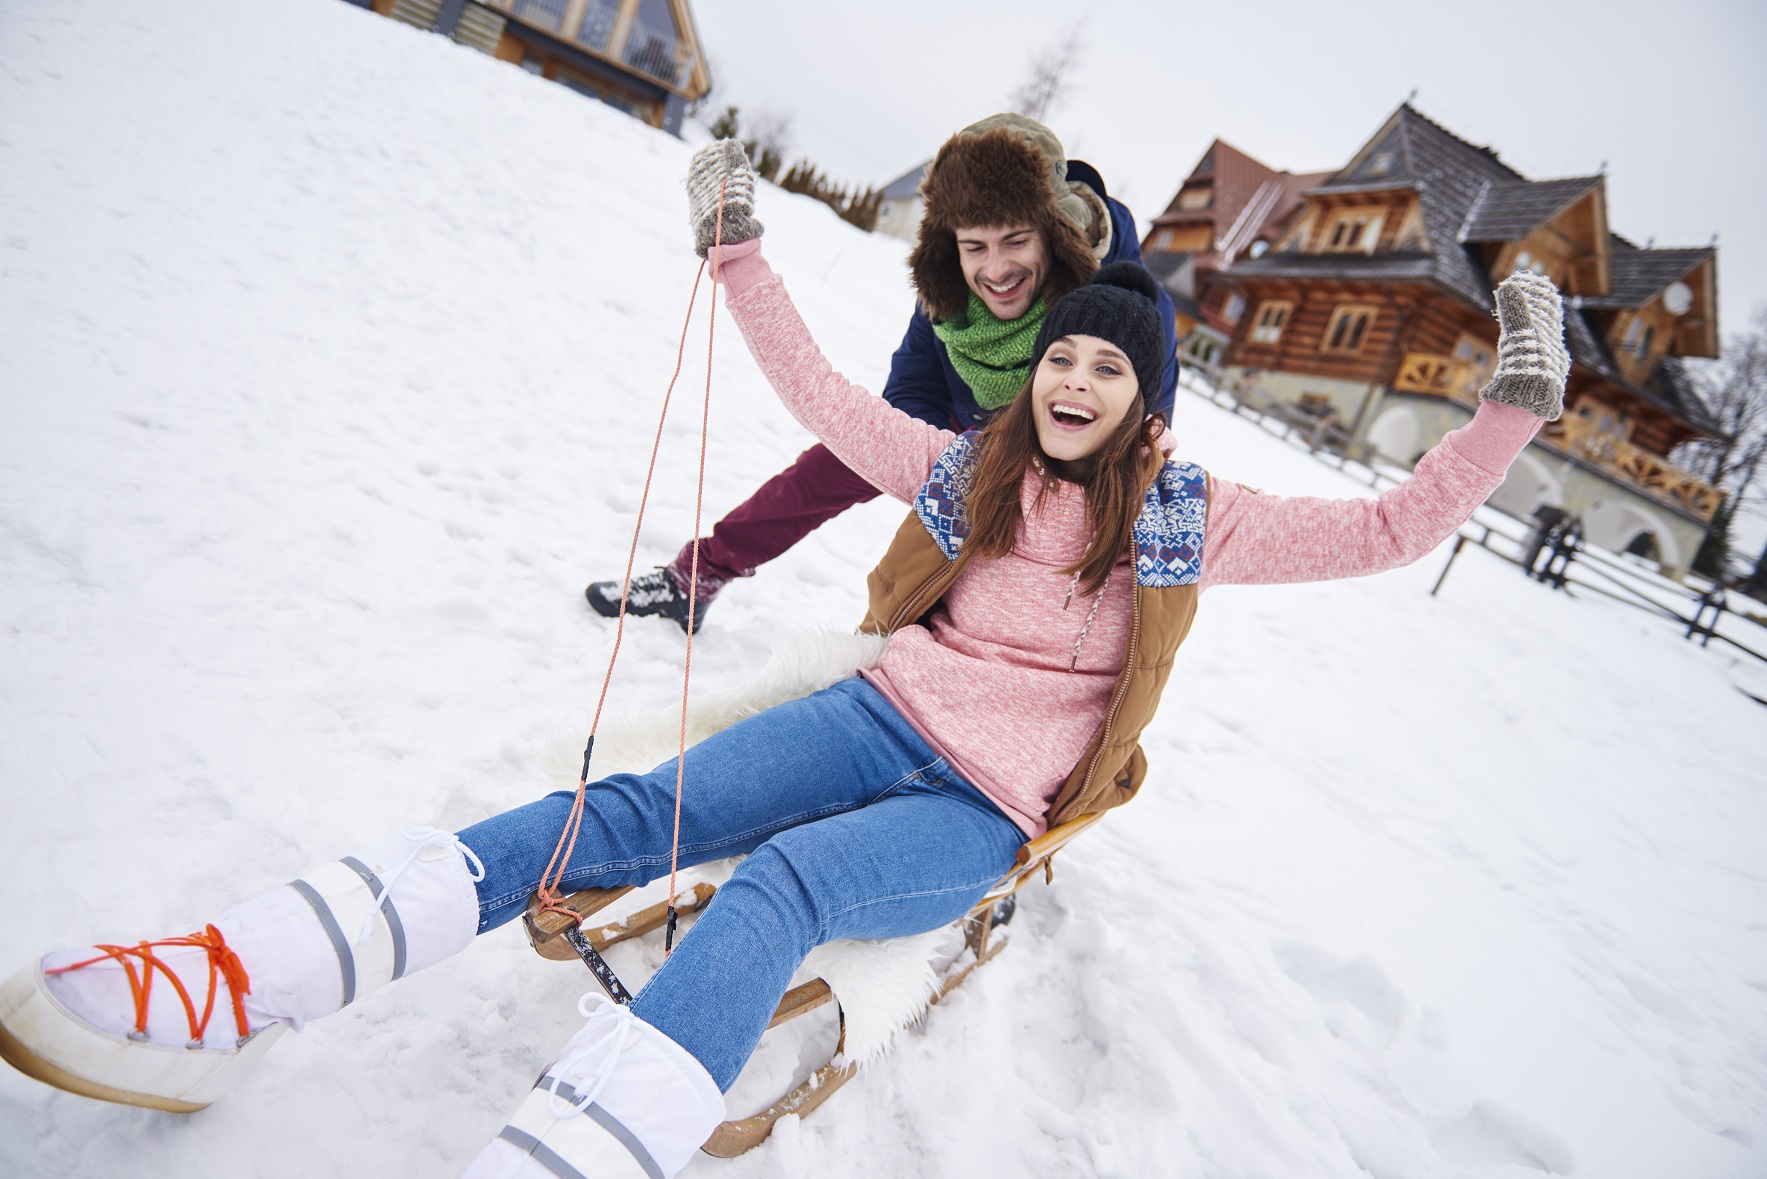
<point>330,354</point>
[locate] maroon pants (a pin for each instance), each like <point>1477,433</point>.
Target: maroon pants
<point>785,509</point>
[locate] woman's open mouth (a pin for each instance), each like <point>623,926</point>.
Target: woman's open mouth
<point>1070,416</point>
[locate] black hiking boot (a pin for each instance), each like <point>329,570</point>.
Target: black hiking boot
<point>652,593</point>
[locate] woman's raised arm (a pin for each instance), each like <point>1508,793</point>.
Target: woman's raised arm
<point>1264,539</point>
<point>890,449</point>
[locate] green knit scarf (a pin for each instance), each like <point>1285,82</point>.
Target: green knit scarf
<point>993,356</point>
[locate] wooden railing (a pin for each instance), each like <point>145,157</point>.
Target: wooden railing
<point>1445,376</point>
<point>1439,376</point>
<point>1651,473</point>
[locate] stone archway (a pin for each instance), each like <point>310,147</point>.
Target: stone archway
<point>1396,434</point>
<point>1529,484</point>
<point>1618,526</point>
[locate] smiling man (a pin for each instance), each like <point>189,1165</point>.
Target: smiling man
<point>1009,226</point>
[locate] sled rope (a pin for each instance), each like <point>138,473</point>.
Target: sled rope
<point>550,895</point>
<point>705,419</point>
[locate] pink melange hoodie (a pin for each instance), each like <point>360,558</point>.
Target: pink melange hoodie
<point>1005,680</point>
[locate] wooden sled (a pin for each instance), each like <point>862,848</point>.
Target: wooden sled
<point>551,935</point>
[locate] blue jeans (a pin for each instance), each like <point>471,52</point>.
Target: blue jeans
<point>853,827</point>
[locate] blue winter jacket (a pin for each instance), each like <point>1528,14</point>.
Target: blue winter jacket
<point>923,383</point>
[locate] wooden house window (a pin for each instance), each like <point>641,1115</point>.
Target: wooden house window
<point>1234,308</point>
<point>1354,229</point>
<point>1644,343</point>
<point>1191,199</point>
<point>1272,315</point>
<point>1348,328</point>
<point>1162,241</point>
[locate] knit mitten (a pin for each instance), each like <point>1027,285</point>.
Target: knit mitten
<point>725,164</point>
<point>1531,359</point>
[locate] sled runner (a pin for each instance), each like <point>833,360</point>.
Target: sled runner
<point>559,938</point>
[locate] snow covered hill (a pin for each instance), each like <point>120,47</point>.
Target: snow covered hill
<point>329,358</point>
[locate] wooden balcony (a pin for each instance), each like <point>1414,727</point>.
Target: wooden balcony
<point>1438,376</point>
<point>1445,376</point>
<point>1650,473</point>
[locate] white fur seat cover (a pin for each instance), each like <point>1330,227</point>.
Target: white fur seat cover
<point>882,986</point>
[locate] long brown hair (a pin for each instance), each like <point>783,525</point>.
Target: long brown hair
<point>1115,477</point>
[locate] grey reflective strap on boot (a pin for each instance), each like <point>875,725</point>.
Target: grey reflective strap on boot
<point>363,925</point>
<point>387,910</point>
<point>601,1118</point>
<point>346,961</point>
<point>542,1154</point>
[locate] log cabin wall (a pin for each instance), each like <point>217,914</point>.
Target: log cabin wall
<point>1306,340</point>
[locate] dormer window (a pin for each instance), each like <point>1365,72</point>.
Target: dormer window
<point>1380,163</point>
<point>1634,331</point>
<point>1201,197</point>
<point>1644,343</point>
<point>1354,229</point>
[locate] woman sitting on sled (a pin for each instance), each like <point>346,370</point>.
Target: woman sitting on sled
<point>1035,598</point>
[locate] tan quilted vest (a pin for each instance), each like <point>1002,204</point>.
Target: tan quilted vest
<point>914,574</point>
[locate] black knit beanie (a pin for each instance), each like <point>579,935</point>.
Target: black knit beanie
<point>1121,305</point>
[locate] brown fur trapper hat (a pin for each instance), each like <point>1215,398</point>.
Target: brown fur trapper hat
<point>1005,170</point>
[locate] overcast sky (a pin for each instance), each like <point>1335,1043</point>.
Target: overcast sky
<point>1672,98</point>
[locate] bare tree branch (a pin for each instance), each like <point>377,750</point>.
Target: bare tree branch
<point>1733,391</point>
<point>1047,79</point>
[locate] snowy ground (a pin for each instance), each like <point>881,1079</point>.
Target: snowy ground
<point>329,354</point>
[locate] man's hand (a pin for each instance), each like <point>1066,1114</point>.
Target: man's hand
<point>1532,363</point>
<point>721,165</point>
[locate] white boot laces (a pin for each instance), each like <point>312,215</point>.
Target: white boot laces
<point>424,837</point>
<point>609,1043</point>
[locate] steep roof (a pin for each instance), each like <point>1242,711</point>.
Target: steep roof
<point>1276,199</point>
<point>1508,211</point>
<point>1235,176</point>
<point>907,184</point>
<point>1449,176</point>
<point>1640,275</point>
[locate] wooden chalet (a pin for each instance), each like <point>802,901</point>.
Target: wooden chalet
<point>641,56</point>
<point>1229,207</point>
<point>1374,308</point>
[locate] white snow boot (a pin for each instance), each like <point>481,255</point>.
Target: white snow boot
<point>172,1024</point>
<point>621,1101</point>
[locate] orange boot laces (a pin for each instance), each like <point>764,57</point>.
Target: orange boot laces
<point>223,964</point>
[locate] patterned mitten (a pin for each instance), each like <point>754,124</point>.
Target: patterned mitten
<point>721,163</point>
<point>1531,359</point>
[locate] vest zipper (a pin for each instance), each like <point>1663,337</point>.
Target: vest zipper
<point>908,606</point>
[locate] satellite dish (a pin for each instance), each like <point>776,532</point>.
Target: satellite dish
<point>1678,297</point>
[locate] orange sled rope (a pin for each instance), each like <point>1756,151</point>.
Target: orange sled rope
<point>551,899</point>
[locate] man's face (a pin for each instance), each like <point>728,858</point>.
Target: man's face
<point>1005,266</point>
